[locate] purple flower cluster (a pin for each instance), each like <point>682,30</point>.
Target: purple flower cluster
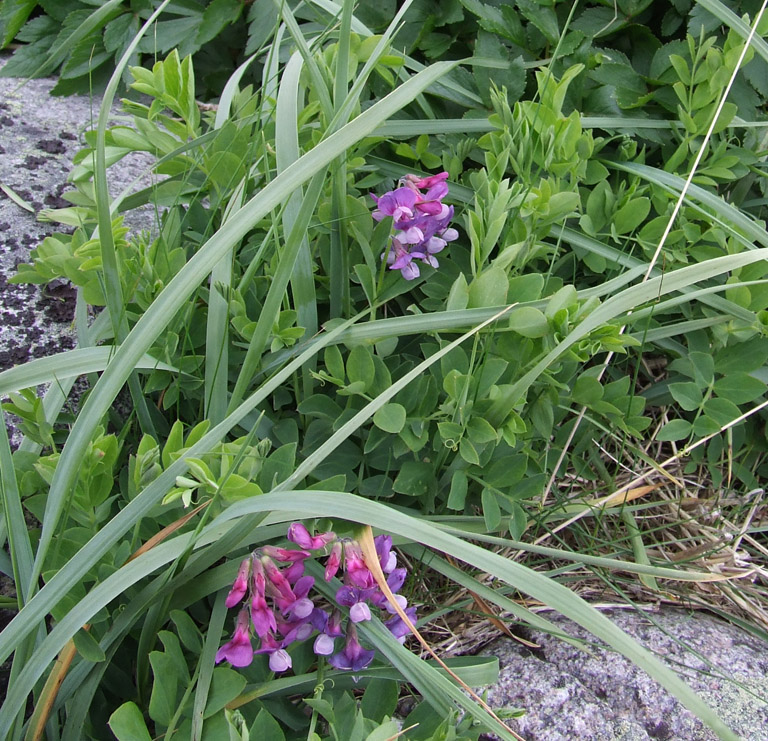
<point>279,609</point>
<point>421,222</point>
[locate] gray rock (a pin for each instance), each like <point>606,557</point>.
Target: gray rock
<point>571,694</point>
<point>39,135</point>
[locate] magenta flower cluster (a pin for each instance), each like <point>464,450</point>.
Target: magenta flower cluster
<point>280,609</point>
<point>421,222</point>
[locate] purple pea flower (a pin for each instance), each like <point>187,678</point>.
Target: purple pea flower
<point>421,221</point>
<point>398,204</point>
<point>299,606</point>
<point>355,599</point>
<point>353,657</point>
<point>279,659</point>
<point>238,651</point>
<point>402,260</point>
<point>324,645</point>
<point>397,626</point>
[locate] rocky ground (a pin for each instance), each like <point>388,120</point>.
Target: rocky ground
<point>599,695</point>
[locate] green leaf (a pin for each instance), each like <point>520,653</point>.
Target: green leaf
<point>721,411</point>
<point>88,647</point>
<point>217,15</point>
<point>528,322</point>
<point>480,431</point>
<point>390,418</point>
<point>631,215</point>
<point>127,723</point>
<point>380,699</point>
<point>458,298</point>
<point>489,288</point>
<point>677,429</point>
<point>518,522</point>
<point>162,701</point>
<point>13,14</point>
<point>458,493</point>
<point>687,394</point>
<point>416,479</point>
<point>469,452</point>
<point>266,727</point>
<point>226,685</point>
<point>587,390</point>
<point>491,510</point>
<point>360,367</point>
<point>189,633</point>
<point>542,17</point>
<point>743,357</point>
<point>739,387</point>
<point>703,368</point>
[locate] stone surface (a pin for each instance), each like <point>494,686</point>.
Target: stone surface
<point>601,696</point>
<point>39,135</point>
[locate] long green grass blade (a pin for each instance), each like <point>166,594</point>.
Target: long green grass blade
<point>68,364</point>
<point>286,153</point>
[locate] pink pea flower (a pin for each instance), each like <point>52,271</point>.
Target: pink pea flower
<point>334,561</point>
<point>240,585</point>
<point>262,616</point>
<point>284,555</point>
<point>431,181</point>
<point>277,585</point>
<point>299,534</point>
<point>238,651</point>
<point>354,565</point>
